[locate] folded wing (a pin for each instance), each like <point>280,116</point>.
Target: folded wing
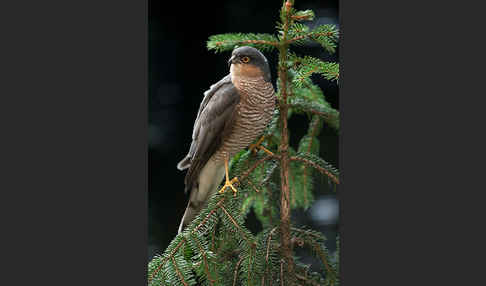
<point>214,121</point>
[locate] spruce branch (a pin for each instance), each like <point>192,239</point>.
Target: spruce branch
<point>309,91</point>
<point>305,66</point>
<point>178,272</point>
<point>166,258</point>
<point>268,173</point>
<point>306,15</point>
<point>309,144</point>
<point>253,186</point>
<point>307,280</point>
<point>269,253</point>
<point>205,259</point>
<point>319,164</point>
<point>236,271</point>
<point>247,173</point>
<point>326,35</point>
<point>268,244</point>
<point>236,224</point>
<point>316,242</point>
<point>329,114</point>
<point>180,239</point>
<point>227,42</point>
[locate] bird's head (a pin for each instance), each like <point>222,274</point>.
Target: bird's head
<point>249,62</point>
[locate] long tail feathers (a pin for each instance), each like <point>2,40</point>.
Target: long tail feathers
<point>189,214</point>
<point>207,184</point>
<point>194,206</point>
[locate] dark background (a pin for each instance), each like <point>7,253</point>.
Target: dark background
<point>181,69</point>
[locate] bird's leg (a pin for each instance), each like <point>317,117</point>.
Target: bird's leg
<point>228,183</point>
<point>258,145</point>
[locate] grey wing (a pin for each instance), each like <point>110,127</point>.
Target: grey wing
<point>208,94</point>
<point>215,118</point>
<point>220,86</point>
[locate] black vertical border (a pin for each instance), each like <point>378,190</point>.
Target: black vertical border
<point>407,103</point>
<point>74,142</point>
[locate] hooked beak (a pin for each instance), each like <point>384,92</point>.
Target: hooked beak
<point>230,61</point>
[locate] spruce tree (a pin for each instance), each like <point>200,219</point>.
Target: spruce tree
<point>216,248</point>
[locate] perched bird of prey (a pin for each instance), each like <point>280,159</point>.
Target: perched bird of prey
<point>233,113</point>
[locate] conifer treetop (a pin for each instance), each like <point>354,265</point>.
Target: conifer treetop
<point>217,248</point>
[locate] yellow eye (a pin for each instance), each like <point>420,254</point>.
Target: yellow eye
<point>245,59</point>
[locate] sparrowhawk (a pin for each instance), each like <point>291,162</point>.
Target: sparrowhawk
<point>232,114</point>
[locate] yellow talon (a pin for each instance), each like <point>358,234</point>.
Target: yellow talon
<point>228,183</point>
<point>266,150</point>
<point>253,147</point>
<point>258,145</point>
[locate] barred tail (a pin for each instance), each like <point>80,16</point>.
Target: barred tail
<point>193,208</point>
